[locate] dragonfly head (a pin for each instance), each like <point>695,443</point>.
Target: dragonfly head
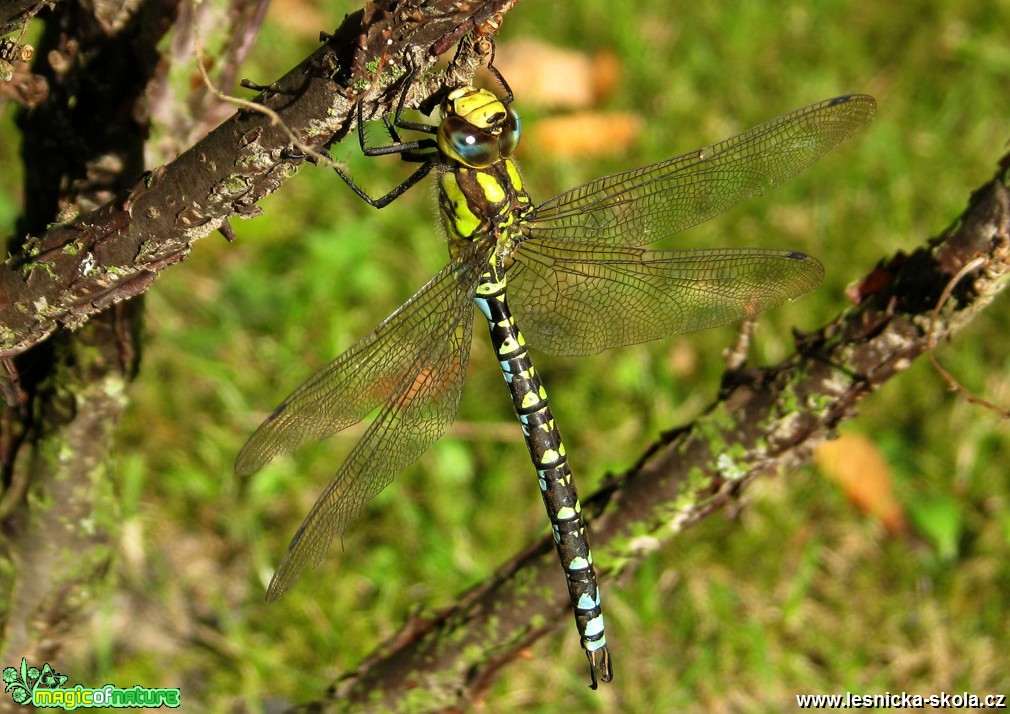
<point>477,128</point>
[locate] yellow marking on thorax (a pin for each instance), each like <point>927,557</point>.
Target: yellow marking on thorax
<point>493,191</point>
<point>513,174</point>
<point>458,217</point>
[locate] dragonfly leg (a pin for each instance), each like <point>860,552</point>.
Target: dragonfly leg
<point>384,201</point>
<point>423,151</point>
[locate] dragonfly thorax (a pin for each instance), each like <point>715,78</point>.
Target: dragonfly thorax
<point>477,128</point>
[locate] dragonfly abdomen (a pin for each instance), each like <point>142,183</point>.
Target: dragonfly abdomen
<point>547,451</point>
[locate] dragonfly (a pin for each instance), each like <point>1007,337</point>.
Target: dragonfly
<point>572,272</point>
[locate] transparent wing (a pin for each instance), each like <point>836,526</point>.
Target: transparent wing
<point>412,368</point>
<point>580,284</point>
<point>641,206</point>
<point>572,301</point>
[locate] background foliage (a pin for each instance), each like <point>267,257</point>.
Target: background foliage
<point>803,591</point>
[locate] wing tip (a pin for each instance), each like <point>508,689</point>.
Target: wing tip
<point>863,103</point>
<point>246,464</point>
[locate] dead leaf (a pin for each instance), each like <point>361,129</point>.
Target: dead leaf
<point>857,466</point>
<point>583,134</point>
<point>545,76</point>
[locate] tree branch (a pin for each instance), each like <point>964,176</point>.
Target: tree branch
<point>84,143</point>
<point>86,264</point>
<point>14,14</point>
<point>58,510</point>
<point>764,421</point>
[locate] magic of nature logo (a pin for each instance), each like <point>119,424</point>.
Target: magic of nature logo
<point>44,688</point>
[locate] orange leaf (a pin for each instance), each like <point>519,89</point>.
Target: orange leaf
<point>857,466</point>
<point>583,134</point>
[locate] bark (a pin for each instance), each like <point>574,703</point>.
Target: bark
<point>86,263</point>
<point>15,14</point>
<point>96,236</point>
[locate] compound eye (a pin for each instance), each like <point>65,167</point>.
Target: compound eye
<point>462,141</point>
<point>510,130</point>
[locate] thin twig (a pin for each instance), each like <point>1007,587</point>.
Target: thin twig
<point>275,119</point>
<point>955,385</point>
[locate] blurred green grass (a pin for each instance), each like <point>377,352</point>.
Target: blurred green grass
<point>800,593</point>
